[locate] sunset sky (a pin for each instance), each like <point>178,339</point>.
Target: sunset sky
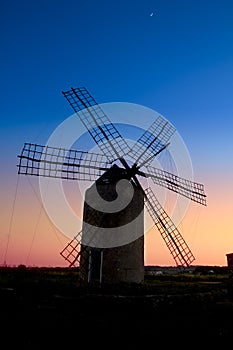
<point>172,56</point>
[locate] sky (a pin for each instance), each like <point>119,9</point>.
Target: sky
<point>172,56</point>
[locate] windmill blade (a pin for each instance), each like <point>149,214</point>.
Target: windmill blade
<point>152,141</point>
<point>81,243</point>
<point>172,237</point>
<point>61,163</point>
<point>72,251</point>
<point>192,190</point>
<point>99,126</point>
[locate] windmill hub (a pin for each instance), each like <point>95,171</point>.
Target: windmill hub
<point>113,175</point>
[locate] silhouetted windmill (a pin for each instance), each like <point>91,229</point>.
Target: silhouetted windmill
<point>123,262</point>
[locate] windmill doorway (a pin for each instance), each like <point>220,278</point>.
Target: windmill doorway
<point>95,265</point>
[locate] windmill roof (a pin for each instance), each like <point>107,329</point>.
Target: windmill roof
<point>112,175</point>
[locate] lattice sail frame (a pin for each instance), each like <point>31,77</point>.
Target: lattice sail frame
<point>192,190</point>
<point>99,126</point>
<point>169,232</point>
<point>78,165</point>
<point>61,163</point>
<point>66,164</point>
<point>152,141</point>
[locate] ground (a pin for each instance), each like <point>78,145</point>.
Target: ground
<point>47,308</point>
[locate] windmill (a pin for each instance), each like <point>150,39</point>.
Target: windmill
<point>117,163</point>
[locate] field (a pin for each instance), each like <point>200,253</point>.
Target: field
<point>49,308</point>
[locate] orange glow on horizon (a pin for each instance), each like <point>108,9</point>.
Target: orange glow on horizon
<point>34,241</point>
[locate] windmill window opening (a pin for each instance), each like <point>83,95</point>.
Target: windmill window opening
<point>95,265</point>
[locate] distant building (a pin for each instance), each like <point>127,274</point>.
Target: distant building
<point>230,259</point>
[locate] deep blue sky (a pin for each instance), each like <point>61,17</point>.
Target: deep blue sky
<point>178,62</point>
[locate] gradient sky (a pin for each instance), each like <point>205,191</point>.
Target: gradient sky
<point>178,62</point>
